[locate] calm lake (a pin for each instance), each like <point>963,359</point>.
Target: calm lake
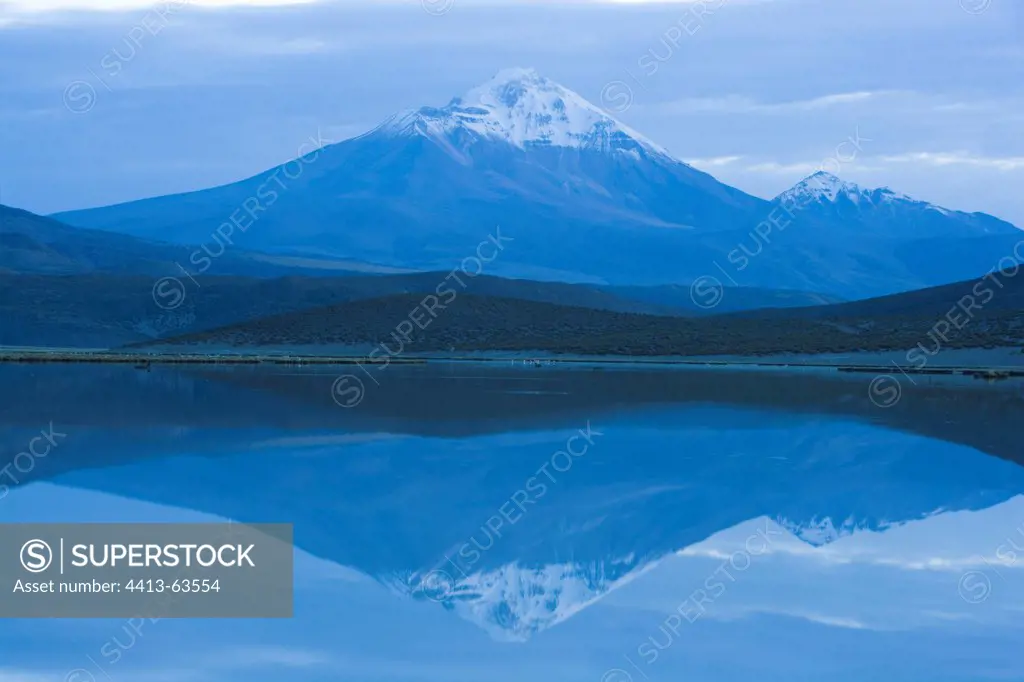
<point>464,522</point>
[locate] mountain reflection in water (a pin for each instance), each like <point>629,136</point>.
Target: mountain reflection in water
<point>704,523</point>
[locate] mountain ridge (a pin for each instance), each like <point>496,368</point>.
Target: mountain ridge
<point>588,199</point>
<point>495,323</point>
<point>105,310</point>
<point>876,208</point>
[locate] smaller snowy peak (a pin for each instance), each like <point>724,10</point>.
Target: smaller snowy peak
<point>826,188</point>
<point>523,108</point>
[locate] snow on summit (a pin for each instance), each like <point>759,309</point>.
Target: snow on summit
<point>886,211</point>
<point>821,185</point>
<point>523,108</point>
<point>824,187</point>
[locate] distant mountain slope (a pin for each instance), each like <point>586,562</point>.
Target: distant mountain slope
<point>999,292</point>
<point>582,197</point>
<point>32,243</point>
<point>476,323</point>
<point>105,310</point>
<point>729,299</point>
<point>101,310</point>
<point>36,245</point>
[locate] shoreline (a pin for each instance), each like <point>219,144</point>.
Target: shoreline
<point>865,363</point>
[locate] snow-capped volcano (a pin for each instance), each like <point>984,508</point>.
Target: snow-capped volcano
<point>523,108</point>
<point>586,199</point>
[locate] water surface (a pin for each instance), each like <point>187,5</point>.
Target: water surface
<point>466,522</point>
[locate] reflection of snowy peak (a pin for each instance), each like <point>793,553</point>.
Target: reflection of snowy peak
<point>514,602</point>
<point>822,531</point>
<point>524,109</point>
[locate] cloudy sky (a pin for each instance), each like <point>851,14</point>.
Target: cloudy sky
<point>110,100</point>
